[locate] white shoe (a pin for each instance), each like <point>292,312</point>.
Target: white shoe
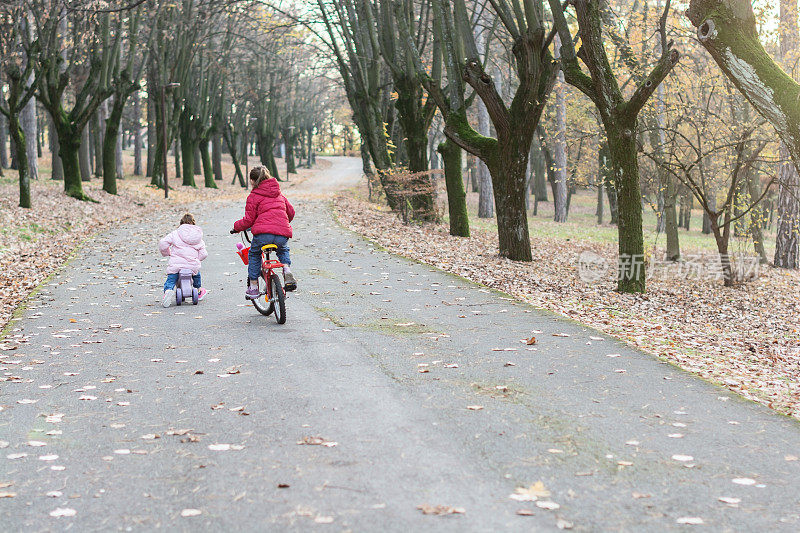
<point>169,297</point>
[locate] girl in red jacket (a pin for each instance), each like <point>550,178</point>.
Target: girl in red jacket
<point>267,214</point>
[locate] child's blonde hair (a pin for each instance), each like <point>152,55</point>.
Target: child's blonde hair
<point>188,218</point>
<point>259,174</point>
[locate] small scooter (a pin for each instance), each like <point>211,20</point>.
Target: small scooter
<point>184,289</point>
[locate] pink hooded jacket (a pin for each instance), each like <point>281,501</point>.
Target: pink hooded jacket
<point>185,248</point>
<point>267,211</point>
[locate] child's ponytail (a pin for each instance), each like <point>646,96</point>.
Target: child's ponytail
<point>259,174</point>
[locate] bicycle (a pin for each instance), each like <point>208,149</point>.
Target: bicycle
<point>271,295</point>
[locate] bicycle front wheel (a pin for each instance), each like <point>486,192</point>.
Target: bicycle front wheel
<point>278,299</point>
<point>262,303</point>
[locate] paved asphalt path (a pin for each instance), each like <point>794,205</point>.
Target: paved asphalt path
<point>108,369</point>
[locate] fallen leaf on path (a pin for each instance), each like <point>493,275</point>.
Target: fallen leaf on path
<point>682,458</point>
<point>640,495</point>
<point>729,500</point>
<point>690,520</point>
<point>550,506</point>
<point>474,407</point>
<point>531,493</point>
<point>7,494</point>
<point>191,512</point>
<point>323,520</point>
<point>317,441</point>
<point>525,512</point>
<point>564,524</point>
<point>531,341</point>
<point>440,509</point>
<point>63,511</point>
<point>224,447</point>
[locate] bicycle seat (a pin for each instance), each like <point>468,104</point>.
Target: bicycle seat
<point>269,247</point>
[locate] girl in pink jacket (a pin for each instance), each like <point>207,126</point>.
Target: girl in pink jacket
<point>185,248</point>
<point>267,214</point>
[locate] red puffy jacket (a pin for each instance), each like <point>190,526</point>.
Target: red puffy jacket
<point>267,211</point>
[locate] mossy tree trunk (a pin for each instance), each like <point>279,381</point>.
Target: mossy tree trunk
<point>110,146</point>
<point>188,148</point>
<point>620,120</point>
<point>18,136</point>
<point>216,155</point>
<point>205,158</point>
<point>289,141</point>
<point>456,195</point>
<point>69,146</point>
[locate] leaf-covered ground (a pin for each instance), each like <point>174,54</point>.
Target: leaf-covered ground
<point>745,339</point>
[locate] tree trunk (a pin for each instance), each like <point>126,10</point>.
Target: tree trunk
<point>137,134</point>
<point>687,217</point>
<point>208,170</point>
<point>600,208</point>
<point>29,126</point>
<point>20,145</point>
<point>188,151</point>
<point>722,238</point>
<point>3,142</point>
<point>787,239</point>
<point>289,140</point>
<point>756,217</point>
<point>216,155</point>
<point>69,147</point>
<point>176,154</point>
<point>625,166</point>
<point>508,166</point>
<point>151,133</point>
<point>98,137</point>
<point>311,154</point>
<point>57,167</point>
<point>456,195</point>
<point>540,171</point>
<point>560,146</point>
<point>110,138</point>
<point>85,160</point>
<point>197,160</point>
<point>671,220</point>
<point>485,190</point>
<point>118,159</point>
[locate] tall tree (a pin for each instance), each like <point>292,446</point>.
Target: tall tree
<point>89,59</point>
<point>125,75</point>
<point>15,49</point>
<point>620,120</point>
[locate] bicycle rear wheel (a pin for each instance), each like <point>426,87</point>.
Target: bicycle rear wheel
<point>279,299</point>
<point>262,303</point>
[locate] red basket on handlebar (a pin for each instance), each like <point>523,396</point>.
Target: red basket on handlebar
<point>243,254</point>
